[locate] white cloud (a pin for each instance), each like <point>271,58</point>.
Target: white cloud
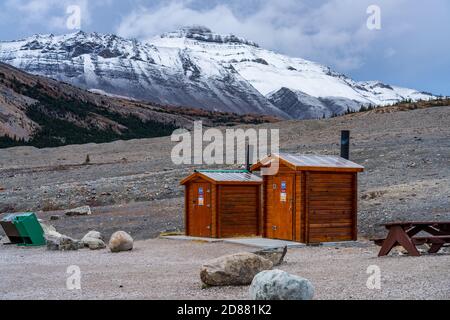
<point>51,14</point>
<point>334,32</point>
<point>412,41</point>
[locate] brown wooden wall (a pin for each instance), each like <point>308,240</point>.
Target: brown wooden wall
<point>189,222</point>
<point>238,211</point>
<point>325,206</point>
<point>268,209</point>
<point>235,210</point>
<point>300,207</point>
<point>331,206</point>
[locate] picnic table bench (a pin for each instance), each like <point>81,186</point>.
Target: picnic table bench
<point>405,235</point>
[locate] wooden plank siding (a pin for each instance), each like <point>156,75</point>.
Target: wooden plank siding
<point>186,209</point>
<point>214,231</point>
<point>326,198</point>
<point>268,207</point>
<point>330,206</point>
<point>298,207</point>
<point>190,207</point>
<point>325,206</point>
<point>235,209</point>
<point>239,211</point>
<point>232,205</point>
<point>355,207</point>
<point>319,206</point>
<point>261,204</point>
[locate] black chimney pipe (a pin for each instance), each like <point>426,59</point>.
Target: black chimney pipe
<point>345,144</point>
<point>247,157</point>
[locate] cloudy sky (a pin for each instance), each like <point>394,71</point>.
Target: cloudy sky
<point>411,49</point>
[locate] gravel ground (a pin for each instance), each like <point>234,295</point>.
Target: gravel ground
<point>168,269</point>
<point>143,220</point>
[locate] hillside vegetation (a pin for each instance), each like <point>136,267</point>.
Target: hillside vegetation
<point>41,112</point>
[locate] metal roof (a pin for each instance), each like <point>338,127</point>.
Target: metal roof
<point>223,171</point>
<point>312,162</point>
<point>319,161</point>
<point>222,176</point>
<point>225,177</point>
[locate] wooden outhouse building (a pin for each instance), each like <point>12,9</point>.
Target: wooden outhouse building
<point>222,204</point>
<point>311,199</point>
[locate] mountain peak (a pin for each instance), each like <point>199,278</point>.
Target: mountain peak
<point>204,34</point>
<point>197,67</point>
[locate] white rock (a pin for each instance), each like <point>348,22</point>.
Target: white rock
<point>120,241</point>
<point>93,240</point>
<point>280,285</point>
<point>94,235</point>
<point>50,231</point>
<point>81,211</point>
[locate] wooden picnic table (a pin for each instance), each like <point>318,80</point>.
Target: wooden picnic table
<point>405,234</point>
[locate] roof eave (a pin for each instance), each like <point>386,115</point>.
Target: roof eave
<point>266,163</point>
<point>328,169</point>
<point>205,177</point>
<point>197,175</point>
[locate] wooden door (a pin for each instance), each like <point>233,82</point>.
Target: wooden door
<point>283,208</point>
<point>201,213</point>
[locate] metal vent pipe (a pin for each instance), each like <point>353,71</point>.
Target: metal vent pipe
<point>345,144</point>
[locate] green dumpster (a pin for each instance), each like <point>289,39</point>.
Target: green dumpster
<point>28,228</point>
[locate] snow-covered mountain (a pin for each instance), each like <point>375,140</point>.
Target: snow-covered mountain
<point>196,67</point>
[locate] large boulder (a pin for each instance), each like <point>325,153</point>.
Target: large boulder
<point>233,270</point>
<point>81,211</point>
<point>276,255</point>
<point>93,240</point>
<point>280,285</point>
<point>120,241</point>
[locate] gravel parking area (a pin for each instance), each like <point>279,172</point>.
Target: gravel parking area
<point>169,269</point>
